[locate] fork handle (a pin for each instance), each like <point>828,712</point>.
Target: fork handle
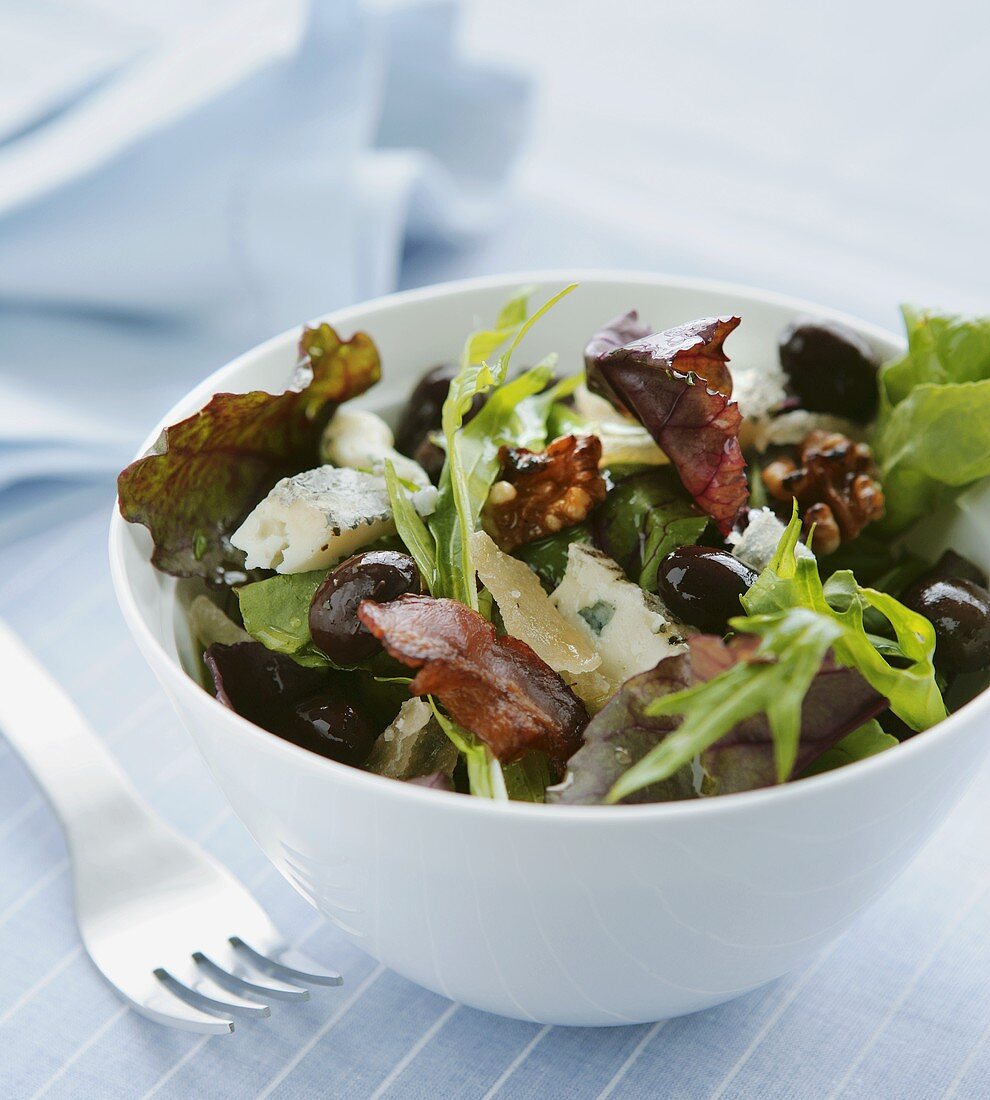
<point>84,783</point>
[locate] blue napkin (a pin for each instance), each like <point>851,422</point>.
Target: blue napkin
<point>203,176</point>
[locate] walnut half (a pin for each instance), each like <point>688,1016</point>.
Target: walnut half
<point>834,481</point>
<point>539,493</point>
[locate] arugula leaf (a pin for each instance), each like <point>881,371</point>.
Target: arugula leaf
<point>276,613</point>
<point>208,471</point>
<point>410,526</point>
<point>866,741</point>
<point>933,430</point>
<point>790,581</point>
<point>526,780</point>
<point>472,449</point>
<point>485,778</point>
<point>743,715</point>
<point>774,682</point>
<point>645,517</point>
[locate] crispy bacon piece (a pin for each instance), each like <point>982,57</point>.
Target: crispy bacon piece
<point>539,493</point>
<point>495,687</point>
<point>677,385</point>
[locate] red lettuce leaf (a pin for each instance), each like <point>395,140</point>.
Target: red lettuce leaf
<point>497,688</point>
<point>677,384</point>
<point>619,331</point>
<point>622,733</point>
<point>207,472</point>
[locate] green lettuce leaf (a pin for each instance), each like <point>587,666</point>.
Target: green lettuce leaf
<point>866,741</point>
<point>790,581</point>
<point>207,472</point>
<point>932,436</point>
<point>942,349</point>
<point>509,417</point>
<point>645,517</point>
<point>548,557</point>
<point>276,613</point>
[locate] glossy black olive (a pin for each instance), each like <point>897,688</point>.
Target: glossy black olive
<point>960,612</point>
<point>701,586</point>
<point>422,412</point>
<point>331,726</point>
<point>379,575</point>
<point>431,457</point>
<point>953,566</point>
<point>831,369</point>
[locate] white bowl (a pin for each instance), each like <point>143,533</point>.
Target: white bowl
<point>564,915</point>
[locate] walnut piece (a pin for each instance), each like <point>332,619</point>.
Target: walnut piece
<point>834,481</point>
<point>539,493</point>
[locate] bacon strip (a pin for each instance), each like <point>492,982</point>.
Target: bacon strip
<point>495,687</point>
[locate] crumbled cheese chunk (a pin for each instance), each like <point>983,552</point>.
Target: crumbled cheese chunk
<point>792,427</point>
<point>625,623</point>
<point>758,390</point>
<point>528,615</point>
<point>313,519</point>
<point>363,441</point>
<point>758,543</point>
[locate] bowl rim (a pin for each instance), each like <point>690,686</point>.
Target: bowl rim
<point>376,785</point>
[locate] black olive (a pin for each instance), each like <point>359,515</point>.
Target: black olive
<point>831,369</point>
<point>331,726</point>
<point>423,409</point>
<point>953,566</point>
<point>431,457</point>
<point>379,575</point>
<point>960,612</point>
<point>701,586</point>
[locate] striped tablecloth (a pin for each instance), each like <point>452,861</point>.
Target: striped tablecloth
<point>897,1007</point>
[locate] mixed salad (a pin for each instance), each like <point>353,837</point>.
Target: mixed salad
<point>659,578</point>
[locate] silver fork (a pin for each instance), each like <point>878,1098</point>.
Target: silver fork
<point>168,926</point>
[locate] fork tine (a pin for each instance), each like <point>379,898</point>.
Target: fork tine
<point>228,1003</point>
<point>283,966</point>
<point>165,1008</point>
<point>233,978</point>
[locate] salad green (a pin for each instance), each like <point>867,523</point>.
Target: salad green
<point>621,584</point>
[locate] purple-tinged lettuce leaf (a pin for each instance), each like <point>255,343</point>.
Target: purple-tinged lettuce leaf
<point>619,331</point>
<point>837,701</point>
<point>677,384</point>
<point>207,472</point>
<point>713,721</point>
<point>621,734</point>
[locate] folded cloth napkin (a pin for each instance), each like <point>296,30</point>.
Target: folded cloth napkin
<point>203,175</point>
